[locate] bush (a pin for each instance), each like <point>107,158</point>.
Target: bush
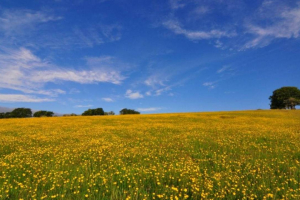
<point>43,113</point>
<point>69,115</point>
<point>91,112</point>
<point>126,111</point>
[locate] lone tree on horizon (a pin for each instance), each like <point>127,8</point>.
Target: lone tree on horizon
<point>285,98</point>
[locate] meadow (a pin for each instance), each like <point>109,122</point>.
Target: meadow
<point>213,155</point>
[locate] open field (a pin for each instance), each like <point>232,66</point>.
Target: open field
<point>230,155</point>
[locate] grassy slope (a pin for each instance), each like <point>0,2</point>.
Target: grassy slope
<point>232,155</point>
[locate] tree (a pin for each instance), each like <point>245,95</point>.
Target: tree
<point>21,113</point>
<point>7,115</point>
<point>43,113</point>
<point>291,103</point>
<point>285,97</point>
<point>17,113</point>
<point>99,111</point>
<point>88,112</point>
<point>91,112</point>
<point>69,115</point>
<point>111,113</point>
<point>126,111</point>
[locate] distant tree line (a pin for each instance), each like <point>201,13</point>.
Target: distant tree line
<point>100,111</point>
<point>24,113</point>
<point>282,98</point>
<point>43,113</point>
<point>69,115</point>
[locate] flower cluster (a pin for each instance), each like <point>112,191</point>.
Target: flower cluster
<point>221,155</point>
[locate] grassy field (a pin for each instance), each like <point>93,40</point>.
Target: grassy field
<point>217,155</point>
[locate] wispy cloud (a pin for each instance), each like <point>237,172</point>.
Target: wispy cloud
<point>83,77</point>
<point>176,27</point>
<point>24,27</point>
<point>200,10</point>
<point>271,20</point>
<point>210,85</point>
<point>220,45</point>
<point>176,4</point>
<point>223,69</point>
<point>88,37</point>
<point>284,23</point>
<point>108,62</point>
<point>154,80</point>
<point>151,109</point>
<point>23,71</point>
<point>112,32</point>
<point>162,90</point>
<point>14,21</point>
<point>91,36</point>
<point>83,106</point>
<point>11,98</point>
<point>107,99</point>
<point>79,100</point>
<point>163,80</point>
<point>133,95</point>
<point>74,91</point>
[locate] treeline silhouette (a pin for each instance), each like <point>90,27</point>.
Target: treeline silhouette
<point>100,111</point>
<point>26,112</point>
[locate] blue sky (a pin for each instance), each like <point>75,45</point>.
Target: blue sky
<point>153,56</point>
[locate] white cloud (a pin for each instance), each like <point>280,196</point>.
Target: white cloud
<point>50,92</point>
<point>10,98</point>
<point>108,99</point>
<point>133,95</point>
<point>152,109</point>
<point>83,77</point>
<point>23,71</point>
<point>281,24</point>
<point>176,27</point>
<point>83,106</point>
<point>148,93</point>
